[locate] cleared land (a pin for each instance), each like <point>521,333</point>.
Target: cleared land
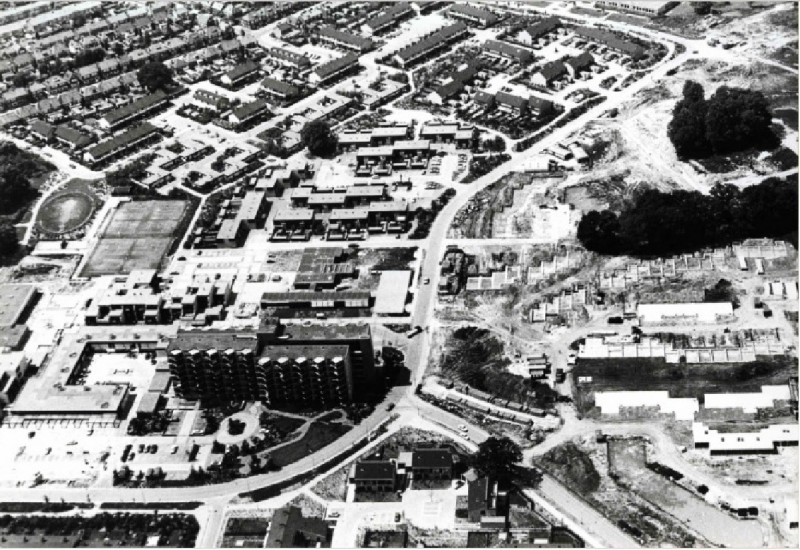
<point>582,466</point>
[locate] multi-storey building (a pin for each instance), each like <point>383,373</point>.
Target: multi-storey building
<point>320,366</point>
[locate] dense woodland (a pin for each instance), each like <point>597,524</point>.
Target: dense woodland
<point>731,120</point>
<point>655,223</point>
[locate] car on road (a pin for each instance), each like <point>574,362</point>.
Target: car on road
<point>462,427</point>
<point>414,331</point>
<point>426,281</point>
<point>390,406</point>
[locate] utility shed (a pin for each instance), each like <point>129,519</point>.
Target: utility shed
<point>390,296</point>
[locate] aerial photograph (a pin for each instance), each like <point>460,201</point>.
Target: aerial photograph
<point>370,274</point>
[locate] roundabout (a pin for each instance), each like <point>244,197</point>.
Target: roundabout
<point>237,428</point>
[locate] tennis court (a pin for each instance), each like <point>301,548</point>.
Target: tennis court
<point>137,237</point>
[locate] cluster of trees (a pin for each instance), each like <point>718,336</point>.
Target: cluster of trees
<point>144,424</point>
<point>732,119</point>
<point>425,217</point>
<point>236,427</point>
<point>496,144</point>
<point>155,76</point>
<point>17,168</point>
<point>659,224</point>
<point>89,57</point>
<point>477,359</point>
<point>499,458</point>
<point>319,138</point>
<point>133,527</point>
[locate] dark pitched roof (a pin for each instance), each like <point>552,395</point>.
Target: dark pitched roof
<point>120,141</point>
<point>334,66</point>
<point>247,110</point>
<point>287,55</point>
<point>75,137</point>
<point>478,493</point>
<point>279,86</point>
<point>611,40</point>
<point>375,469</point>
<point>432,458</point>
<point>471,11</point>
<point>458,80</point>
<point>552,70</point>
<point>141,104</point>
<point>581,61</point>
<point>390,15</point>
<point>42,128</point>
<point>511,100</point>
<point>243,69</point>
<point>431,41</point>
<point>541,105</point>
<point>289,529</point>
<point>543,27</point>
<point>504,48</point>
<point>353,39</point>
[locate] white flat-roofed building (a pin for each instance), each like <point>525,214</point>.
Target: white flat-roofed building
<point>764,441</point>
<point>749,402</point>
<point>615,402</point>
<point>392,291</point>
<point>687,313</point>
<point>649,7</point>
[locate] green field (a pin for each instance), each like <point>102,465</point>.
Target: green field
<point>319,435</point>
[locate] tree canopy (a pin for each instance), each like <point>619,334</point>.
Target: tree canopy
<point>657,223</point>
<point>731,120</point>
<point>155,76</point>
<point>319,138</point>
<point>496,458</point>
<point>8,239</point>
<point>17,167</point>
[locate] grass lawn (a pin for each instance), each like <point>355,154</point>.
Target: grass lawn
<point>246,527</point>
<point>319,435</point>
<point>681,380</point>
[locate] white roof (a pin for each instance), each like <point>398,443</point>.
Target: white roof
<point>611,402</point>
<point>699,311</point>
<point>748,402</point>
<point>763,440</point>
<point>390,296</point>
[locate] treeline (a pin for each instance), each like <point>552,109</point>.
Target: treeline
<point>123,528</point>
<point>732,119</point>
<point>661,224</point>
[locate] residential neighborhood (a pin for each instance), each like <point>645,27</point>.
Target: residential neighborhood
<point>399,274</point>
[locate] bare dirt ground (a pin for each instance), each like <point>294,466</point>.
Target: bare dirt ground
<point>582,465</point>
<point>635,149</point>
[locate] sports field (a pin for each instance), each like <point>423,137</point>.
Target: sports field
<point>137,237</point>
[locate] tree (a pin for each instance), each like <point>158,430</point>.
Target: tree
<point>702,8</point>
<point>319,138</point>
<point>155,76</point>
<point>599,231</point>
<point>732,119</point>
<point>687,130</point>
<point>496,458</point>
<point>737,119</point>
<point>8,239</point>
